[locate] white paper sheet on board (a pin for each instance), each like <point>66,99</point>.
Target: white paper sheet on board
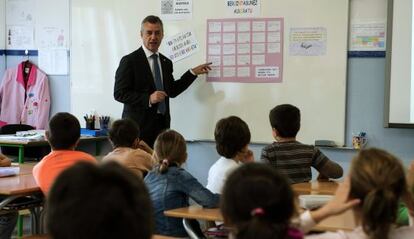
<point>176,9</point>
<point>53,61</point>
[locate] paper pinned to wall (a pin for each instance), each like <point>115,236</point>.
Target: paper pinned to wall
<point>20,37</point>
<point>53,61</point>
<point>307,41</point>
<point>367,36</point>
<point>176,9</point>
<point>180,46</point>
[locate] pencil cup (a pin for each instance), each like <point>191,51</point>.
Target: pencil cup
<point>90,125</point>
<point>359,142</point>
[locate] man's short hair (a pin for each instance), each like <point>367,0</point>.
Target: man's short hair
<point>286,120</point>
<point>123,133</point>
<point>107,201</point>
<point>64,131</point>
<point>153,20</point>
<point>232,134</point>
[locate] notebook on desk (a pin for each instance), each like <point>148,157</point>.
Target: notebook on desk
<point>9,171</point>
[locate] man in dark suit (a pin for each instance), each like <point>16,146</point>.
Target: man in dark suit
<point>144,82</point>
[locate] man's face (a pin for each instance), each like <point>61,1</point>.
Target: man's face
<point>152,35</point>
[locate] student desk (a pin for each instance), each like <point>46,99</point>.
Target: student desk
<point>11,141</point>
<point>343,221</point>
<point>17,186</point>
<point>315,187</point>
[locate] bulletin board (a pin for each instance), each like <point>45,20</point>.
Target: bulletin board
<point>104,30</point>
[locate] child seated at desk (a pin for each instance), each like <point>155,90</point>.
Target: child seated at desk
<point>106,202</point>
<point>377,180</point>
<point>129,150</point>
<point>171,186</point>
<point>375,186</point>
<point>290,157</point>
<point>63,137</point>
<point>258,202</point>
<point>232,136</point>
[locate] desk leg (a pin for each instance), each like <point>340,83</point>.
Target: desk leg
<point>20,226</point>
<point>21,154</point>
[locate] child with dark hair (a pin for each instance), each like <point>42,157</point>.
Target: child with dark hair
<point>290,157</point>
<point>63,137</point>
<point>377,182</point>
<point>258,202</point>
<point>232,136</point>
<point>107,201</point>
<point>129,150</point>
<point>171,186</point>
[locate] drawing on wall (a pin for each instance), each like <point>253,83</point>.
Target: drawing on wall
<point>246,50</point>
<point>20,37</point>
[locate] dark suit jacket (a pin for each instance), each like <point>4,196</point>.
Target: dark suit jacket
<point>134,83</point>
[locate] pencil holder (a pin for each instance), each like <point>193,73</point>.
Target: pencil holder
<point>359,142</point>
<point>90,125</point>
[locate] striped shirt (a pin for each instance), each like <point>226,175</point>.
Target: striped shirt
<point>294,160</point>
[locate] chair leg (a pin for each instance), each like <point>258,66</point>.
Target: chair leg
<point>192,227</point>
<point>20,226</point>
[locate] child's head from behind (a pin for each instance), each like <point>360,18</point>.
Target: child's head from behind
<point>64,131</point>
<point>231,135</point>
<point>107,201</point>
<point>124,133</point>
<point>285,119</point>
<point>258,202</point>
<point>378,180</point>
<point>170,148</point>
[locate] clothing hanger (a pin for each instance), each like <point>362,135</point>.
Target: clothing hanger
<point>27,64</point>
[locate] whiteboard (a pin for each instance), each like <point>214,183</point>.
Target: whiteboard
<point>105,30</point>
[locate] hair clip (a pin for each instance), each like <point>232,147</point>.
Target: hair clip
<point>258,211</point>
<point>165,161</point>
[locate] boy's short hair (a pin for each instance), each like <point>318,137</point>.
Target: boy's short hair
<point>123,133</point>
<point>232,134</point>
<point>106,201</point>
<point>286,120</point>
<point>64,131</point>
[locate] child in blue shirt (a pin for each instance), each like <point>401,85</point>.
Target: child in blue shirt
<point>171,186</point>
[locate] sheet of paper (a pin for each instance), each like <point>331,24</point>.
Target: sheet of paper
<point>243,71</point>
<point>229,60</point>
<point>53,61</point>
<point>243,60</point>
<point>180,46</point>
<point>176,9</point>
<point>229,38</point>
<point>308,41</point>
<point>229,49</point>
